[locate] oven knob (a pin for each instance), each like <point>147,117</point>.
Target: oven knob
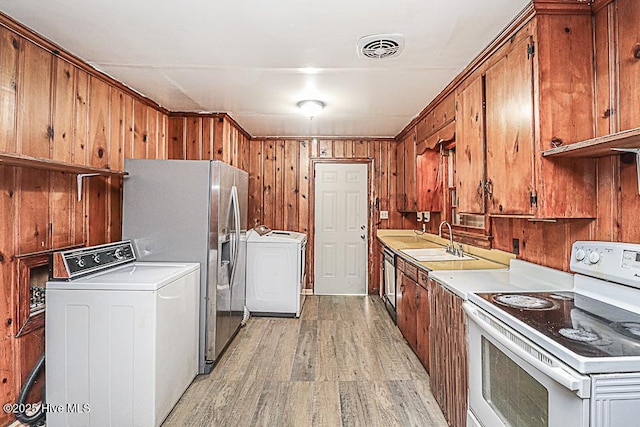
<point>580,254</point>
<point>96,258</point>
<point>80,262</point>
<point>594,257</point>
<point>119,254</point>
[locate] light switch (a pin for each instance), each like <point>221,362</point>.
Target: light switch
<point>384,214</point>
<point>419,216</point>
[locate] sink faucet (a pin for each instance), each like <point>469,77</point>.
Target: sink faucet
<point>449,248</point>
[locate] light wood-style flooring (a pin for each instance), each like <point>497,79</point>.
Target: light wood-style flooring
<point>343,363</point>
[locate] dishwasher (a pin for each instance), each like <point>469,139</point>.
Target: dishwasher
<point>389,275</point>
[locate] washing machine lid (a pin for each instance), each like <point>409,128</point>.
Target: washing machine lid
<point>135,276</point>
<point>276,236</point>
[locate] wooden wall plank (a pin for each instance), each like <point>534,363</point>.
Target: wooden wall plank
<point>116,131</point>
<point>269,184</point>
<point>279,187</point>
<point>255,184</point>
<point>95,202</point>
<point>139,130</point>
<point>325,148</point>
<point>291,162</point>
<point>81,117</point>
<point>339,150</point>
<point>63,131</point>
<point>34,118</point>
<point>207,138</point>
<point>630,229</point>
<point>128,146</point>
<point>193,138</point>
<point>152,132</point>
<point>8,220</point>
<point>176,149</point>
<point>114,227</point>
<point>99,126</point>
<point>360,149</point>
<point>62,201</point>
<point>9,57</point>
<point>33,211</point>
<point>218,139</point>
<point>162,138</point>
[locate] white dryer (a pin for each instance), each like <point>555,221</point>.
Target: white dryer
<point>121,337</point>
<point>276,272</point>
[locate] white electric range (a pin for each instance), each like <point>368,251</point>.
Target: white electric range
<point>560,358</point>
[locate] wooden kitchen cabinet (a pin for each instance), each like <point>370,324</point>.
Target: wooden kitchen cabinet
<point>429,173</point>
<point>423,313</point>
<point>406,188</point>
<point>470,147</point>
<point>509,131</point>
<point>439,117</point>
<point>516,105</point>
<point>448,353</point>
<point>413,309</point>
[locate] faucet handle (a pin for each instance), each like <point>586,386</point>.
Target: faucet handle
<point>459,251</point>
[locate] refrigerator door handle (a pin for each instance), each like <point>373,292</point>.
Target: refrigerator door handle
<point>235,245</point>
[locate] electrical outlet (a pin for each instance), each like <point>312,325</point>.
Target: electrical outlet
<point>516,246</point>
<point>384,214</point>
<point>426,216</point>
<point>419,216</point>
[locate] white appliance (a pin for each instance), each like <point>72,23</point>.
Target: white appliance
<point>194,211</point>
<point>276,272</point>
<point>389,276</point>
<point>121,337</point>
<point>560,358</point>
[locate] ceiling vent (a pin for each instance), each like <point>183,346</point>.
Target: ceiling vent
<point>380,46</point>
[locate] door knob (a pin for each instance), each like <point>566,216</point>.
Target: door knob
<point>362,227</point>
<point>362,236</point>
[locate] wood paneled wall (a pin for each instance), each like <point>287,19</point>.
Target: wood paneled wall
<point>208,137</point>
<point>616,36</point>
<point>280,182</point>
<point>53,107</point>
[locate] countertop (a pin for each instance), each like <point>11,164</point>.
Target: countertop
<point>521,276</point>
<point>397,240</point>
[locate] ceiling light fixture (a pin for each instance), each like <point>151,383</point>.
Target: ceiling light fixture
<point>311,107</point>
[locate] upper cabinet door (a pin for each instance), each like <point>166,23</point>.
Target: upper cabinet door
<point>509,128</point>
<point>629,57</point>
<point>470,150</point>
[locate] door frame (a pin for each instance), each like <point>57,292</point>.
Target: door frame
<point>312,216</point>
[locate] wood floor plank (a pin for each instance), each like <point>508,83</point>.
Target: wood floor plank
<point>326,404</point>
<point>304,363</point>
<point>343,363</point>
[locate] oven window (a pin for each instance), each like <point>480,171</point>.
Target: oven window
<point>511,392</point>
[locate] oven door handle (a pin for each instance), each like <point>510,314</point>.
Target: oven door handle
<point>578,383</point>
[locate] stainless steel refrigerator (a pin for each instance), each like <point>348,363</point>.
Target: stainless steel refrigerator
<point>194,210</point>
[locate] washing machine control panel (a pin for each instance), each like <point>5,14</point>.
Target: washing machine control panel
<point>78,262</point>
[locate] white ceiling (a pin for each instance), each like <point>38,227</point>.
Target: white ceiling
<point>255,59</point>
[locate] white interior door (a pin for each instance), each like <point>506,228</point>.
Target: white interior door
<point>340,229</point>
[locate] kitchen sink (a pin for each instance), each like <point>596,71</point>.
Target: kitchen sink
<point>435,254</point>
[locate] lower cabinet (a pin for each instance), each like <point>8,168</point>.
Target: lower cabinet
<point>448,349</point>
<point>413,310</point>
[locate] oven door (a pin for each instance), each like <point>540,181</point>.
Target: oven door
<point>513,382</point>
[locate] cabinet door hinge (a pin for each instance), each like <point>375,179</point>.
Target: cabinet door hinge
<point>533,199</point>
<point>531,50</point>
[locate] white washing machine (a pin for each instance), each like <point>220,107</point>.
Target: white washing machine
<point>276,272</point>
<point>121,337</point>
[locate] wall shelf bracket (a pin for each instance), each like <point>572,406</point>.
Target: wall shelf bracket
<point>79,179</point>
<point>635,151</point>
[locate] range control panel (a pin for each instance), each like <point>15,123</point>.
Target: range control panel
<point>613,261</point>
<point>78,262</point>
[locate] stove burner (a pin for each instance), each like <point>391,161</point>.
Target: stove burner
<point>528,302</point>
<point>581,335</point>
<point>629,329</point>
